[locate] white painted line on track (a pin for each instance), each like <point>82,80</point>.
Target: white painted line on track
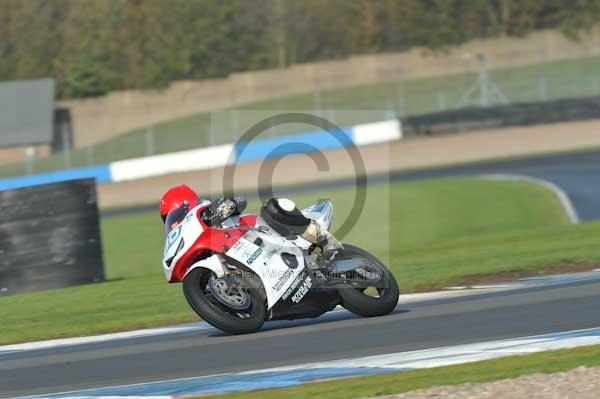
<point>55,343</point>
<point>120,397</point>
<point>459,354</point>
<point>405,299</point>
<point>492,286</point>
<point>297,374</point>
<point>199,326</point>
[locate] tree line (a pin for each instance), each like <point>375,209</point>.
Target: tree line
<point>94,46</point>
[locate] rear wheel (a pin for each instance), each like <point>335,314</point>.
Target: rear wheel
<point>370,289</point>
<point>229,304</point>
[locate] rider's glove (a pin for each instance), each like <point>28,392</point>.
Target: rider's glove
<point>240,203</point>
<point>223,208</point>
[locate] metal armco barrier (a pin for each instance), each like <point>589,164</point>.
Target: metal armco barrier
<point>518,114</point>
<point>49,237</point>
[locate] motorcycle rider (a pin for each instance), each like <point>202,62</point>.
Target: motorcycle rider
<point>280,214</point>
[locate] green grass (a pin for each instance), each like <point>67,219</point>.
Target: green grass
<point>395,383</point>
<point>439,231</point>
<point>568,78</point>
<point>407,215</point>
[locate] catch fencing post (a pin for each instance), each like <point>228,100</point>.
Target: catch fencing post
<point>390,110</point>
<point>441,101</point>
<point>317,100</point>
<point>30,156</point>
<point>89,155</point>
<point>317,103</point>
<point>331,116</point>
<point>543,89</point>
<point>150,140</point>
<point>235,124</point>
<point>67,157</point>
<point>211,129</point>
<point>402,107</point>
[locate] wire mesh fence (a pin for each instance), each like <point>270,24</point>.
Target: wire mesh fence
<point>395,98</point>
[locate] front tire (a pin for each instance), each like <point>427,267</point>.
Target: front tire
<point>354,296</point>
<point>230,320</point>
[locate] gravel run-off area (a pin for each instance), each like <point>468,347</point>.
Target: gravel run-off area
<point>580,383</point>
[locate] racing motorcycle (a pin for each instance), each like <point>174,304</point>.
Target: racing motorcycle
<point>242,273</point>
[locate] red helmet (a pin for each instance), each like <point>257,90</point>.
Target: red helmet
<point>175,198</point>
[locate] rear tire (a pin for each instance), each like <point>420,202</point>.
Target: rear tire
<point>356,301</point>
<point>218,315</point>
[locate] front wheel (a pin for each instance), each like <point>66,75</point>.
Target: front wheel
<point>229,304</point>
<point>370,289</point>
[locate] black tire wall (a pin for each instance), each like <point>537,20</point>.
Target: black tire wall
<point>49,237</point>
<point>518,114</point>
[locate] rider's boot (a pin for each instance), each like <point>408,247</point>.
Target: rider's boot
<point>284,217</point>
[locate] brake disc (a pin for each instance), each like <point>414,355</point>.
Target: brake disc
<point>233,297</point>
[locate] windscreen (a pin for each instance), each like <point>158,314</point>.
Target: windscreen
<point>176,216</point>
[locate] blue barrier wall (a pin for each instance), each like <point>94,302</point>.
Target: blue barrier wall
<point>101,173</point>
<point>258,150</point>
<point>278,147</point>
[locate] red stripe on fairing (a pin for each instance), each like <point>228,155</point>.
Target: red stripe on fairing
<point>248,220</point>
<point>211,239</point>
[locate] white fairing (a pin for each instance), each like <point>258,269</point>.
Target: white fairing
<point>180,239</point>
<point>211,263</point>
<point>266,261</point>
<point>321,212</point>
<point>259,249</point>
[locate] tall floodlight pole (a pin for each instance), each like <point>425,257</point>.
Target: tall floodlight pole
<point>484,91</point>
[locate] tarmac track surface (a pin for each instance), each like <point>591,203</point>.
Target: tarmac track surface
<point>338,335</point>
<point>428,324</point>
